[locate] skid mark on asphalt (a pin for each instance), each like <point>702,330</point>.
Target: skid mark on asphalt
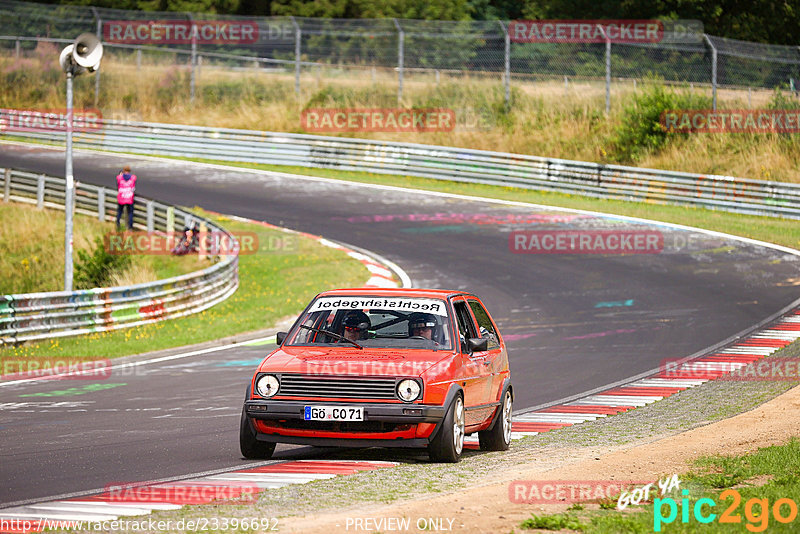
<point>43,405</point>
<point>89,388</point>
<point>255,362</point>
<point>614,303</point>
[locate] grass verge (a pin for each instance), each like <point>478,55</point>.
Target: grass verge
<point>272,284</point>
<point>756,492</point>
<point>32,251</point>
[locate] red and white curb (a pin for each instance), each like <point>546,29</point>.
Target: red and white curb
<point>381,270</point>
<point>753,347</point>
<point>143,499</point>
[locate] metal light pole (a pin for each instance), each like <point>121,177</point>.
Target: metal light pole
<point>83,55</point>
<point>69,193</point>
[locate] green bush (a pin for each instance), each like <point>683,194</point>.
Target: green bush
<point>553,522</point>
<point>95,269</point>
<point>779,100</point>
<point>640,131</point>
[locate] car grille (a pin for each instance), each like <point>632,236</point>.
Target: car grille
<point>337,386</point>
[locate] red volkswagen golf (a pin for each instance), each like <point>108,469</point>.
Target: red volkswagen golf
<point>387,368</point>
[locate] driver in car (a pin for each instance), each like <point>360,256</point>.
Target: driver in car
<point>356,325</point>
<point>421,325</point>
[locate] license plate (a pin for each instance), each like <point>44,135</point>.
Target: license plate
<point>333,413</point>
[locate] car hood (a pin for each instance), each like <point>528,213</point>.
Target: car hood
<point>353,362</point>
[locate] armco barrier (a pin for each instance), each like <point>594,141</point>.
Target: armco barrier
<point>35,316</point>
<point>740,195</point>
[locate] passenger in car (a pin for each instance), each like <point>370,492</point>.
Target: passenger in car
<point>423,325</point>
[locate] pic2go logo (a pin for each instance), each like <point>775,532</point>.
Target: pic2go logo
<point>783,510</point>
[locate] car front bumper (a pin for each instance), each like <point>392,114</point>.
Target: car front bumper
<point>411,416</point>
<point>386,413</point>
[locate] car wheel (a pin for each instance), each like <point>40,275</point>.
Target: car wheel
<point>499,437</point>
<point>449,442</point>
<point>251,448</point>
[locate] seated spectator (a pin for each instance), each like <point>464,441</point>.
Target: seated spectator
<point>189,242</point>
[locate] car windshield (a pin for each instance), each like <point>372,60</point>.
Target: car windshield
<point>385,322</point>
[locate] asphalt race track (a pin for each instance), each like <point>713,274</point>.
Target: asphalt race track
<point>573,322</point>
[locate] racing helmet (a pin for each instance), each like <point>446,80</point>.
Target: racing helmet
<point>358,321</point>
<point>423,320</point>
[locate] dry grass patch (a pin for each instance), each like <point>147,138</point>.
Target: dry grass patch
<point>546,117</point>
<point>32,251</point>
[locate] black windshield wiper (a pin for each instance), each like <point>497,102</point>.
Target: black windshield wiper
<point>334,334</point>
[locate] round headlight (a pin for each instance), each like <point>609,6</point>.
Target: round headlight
<point>267,385</point>
<point>408,390</point>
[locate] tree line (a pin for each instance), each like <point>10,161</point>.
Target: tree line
<point>763,21</point>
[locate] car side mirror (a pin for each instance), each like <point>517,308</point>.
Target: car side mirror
<point>477,344</point>
<point>280,337</point>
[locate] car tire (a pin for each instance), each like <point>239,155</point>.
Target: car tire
<point>251,448</point>
<point>499,437</point>
<point>449,441</point>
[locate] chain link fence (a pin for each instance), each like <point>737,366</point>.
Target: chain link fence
<point>398,50</point>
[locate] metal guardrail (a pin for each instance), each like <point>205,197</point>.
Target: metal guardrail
<point>740,195</point>
<point>35,316</point>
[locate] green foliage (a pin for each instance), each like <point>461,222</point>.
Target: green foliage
<point>313,8</point>
<point>404,9</point>
<point>607,504</point>
<point>727,471</point>
<point>553,522</point>
<point>95,269</point>
<point>196,6</point>
<point>619,524</point>
<point>496,9</point>
<point>640,130</point>
<point>779,100</point>
<point>415,9</point>
<point>764,21</point>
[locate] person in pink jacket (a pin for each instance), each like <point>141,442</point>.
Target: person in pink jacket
<point>126,189</point>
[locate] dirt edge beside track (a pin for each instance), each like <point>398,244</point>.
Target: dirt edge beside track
<point>486,506</point>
